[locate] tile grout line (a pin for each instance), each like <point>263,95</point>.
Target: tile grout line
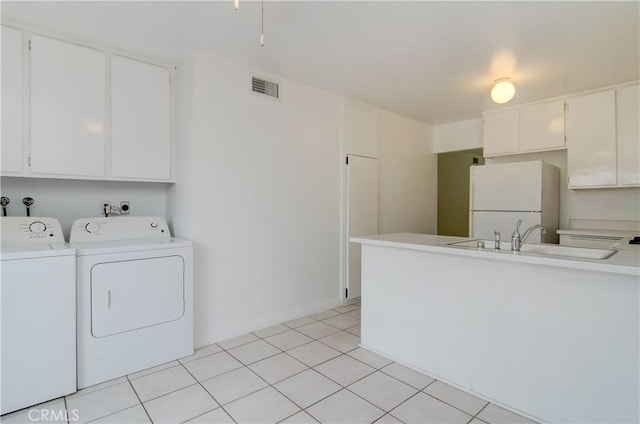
<point>139,400</point>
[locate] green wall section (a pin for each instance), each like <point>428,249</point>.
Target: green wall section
<point>453,191</point>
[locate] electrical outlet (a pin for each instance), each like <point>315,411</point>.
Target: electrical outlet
<point>125,207</point>
<point>105,207</point>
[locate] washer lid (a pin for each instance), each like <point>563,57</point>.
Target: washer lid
<point>118,246</point>
<point>13,251</point>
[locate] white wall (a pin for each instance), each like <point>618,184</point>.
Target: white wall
<point>407,172</point>
<point>611,204</point>
<point>262,184</point>
<point>68,200</point>
<point>462,135</point>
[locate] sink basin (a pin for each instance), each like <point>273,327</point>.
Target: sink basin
<point>542,249</point>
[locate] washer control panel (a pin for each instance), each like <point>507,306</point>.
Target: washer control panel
<point>30,229</point>
<point>119,228</point>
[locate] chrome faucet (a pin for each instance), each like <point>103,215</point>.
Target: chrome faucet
<point>517,240</point>
<point>496,233</point>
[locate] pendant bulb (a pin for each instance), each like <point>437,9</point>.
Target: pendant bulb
<point>236,4</point>
<point>262,40</point>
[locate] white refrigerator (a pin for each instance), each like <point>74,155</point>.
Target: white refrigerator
<point>500,194</point>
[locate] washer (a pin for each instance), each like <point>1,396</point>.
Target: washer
<point>134,296</point>
<point>38,312</point>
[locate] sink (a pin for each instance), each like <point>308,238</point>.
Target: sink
<point>541,249</point>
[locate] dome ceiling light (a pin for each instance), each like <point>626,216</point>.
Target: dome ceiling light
<point>503,91</point>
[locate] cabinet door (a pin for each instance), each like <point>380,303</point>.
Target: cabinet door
<point>542,126</point>
<point>501,132</point>
<point>11,101</point>
<point>628,132</point>
<point>140,120</point>
<point>591,140</point>
<point>67,108</point>
<point>360,128</point>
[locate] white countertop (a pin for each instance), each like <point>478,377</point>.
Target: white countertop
<point>622,262</point>
<point>597,232</point>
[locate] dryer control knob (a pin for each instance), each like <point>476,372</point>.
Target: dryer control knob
<point>37,227</point>
<point>92,227</point>
<point>154,225</point>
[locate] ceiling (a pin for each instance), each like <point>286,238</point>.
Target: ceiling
<point>431,61</point>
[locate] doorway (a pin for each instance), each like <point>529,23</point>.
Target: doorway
<point>453,191</point>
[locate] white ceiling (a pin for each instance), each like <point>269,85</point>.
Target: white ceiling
<point>431,61</point>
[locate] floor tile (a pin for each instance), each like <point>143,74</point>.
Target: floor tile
<point>100,403</point>
<point>495,415</point>
<point>237,341</point>
<point>233,385</point>
<point>477,421</point>
<point>317,330</point>
<point>354,330</point>
<point>388,419</point>
<point>344,370</point>
<point>325,314</point>
<point>299,418</point>
<point>307,388</point>
<point>134,415</point>
<point>369,358</point>
<point>202,352</point>
<point>162,382</point>
<point>217,416</point>
<point>355,313</point>
<point>424,409</point>
<point>346,308</point>
<point>342,321</point>
<point>314,353</point>
<point>212,365</point>
<point>97,387</point>
<point>295,323</point>
<point>382,390</point>
<point>253,352</point>
<point>342,341</point>
<point>277,367</point>
<point>270,331</point>
<point>455,397</point>
<point>55,408</point>
<point>153,369</point>
<point>408,375</point>
<point>265,406</point>
<point>345,407</point>
<point>288,339</point>
<point>180,406</point>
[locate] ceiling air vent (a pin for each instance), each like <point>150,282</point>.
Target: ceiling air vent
<point>262,86</point>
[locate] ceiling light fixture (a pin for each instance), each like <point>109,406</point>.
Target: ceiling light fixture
<point>236,4</point>
<point>262,26</point>
<point>503,90</point>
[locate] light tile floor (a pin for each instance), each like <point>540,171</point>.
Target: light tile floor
<point>306,370</point>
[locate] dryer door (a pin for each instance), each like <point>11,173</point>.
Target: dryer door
<point>129,295</point>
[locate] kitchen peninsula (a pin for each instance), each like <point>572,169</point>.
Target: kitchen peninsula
<point>552,337</point>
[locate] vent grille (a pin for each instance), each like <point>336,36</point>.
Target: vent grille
<point>262,86</point>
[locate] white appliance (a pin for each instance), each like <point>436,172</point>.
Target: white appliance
<point>500,194</point>
<point>38,313</point>
<point>134,296</point>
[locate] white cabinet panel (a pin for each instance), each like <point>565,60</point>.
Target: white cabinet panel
<point>628,132</point>
<point>362,213</point>
<point>501,132</point>
<point>591,140</point>
<point>11,101</point>
<point>140,120</point>
<point>542,126</point>
<point>360,128</point>
<point>67,108</point>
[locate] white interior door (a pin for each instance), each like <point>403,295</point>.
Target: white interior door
<point>362,213</point>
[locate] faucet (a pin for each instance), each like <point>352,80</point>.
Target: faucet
<point>496,233</point>
<point>517,240</point>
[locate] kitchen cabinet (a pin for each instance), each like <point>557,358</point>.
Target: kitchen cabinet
<point>542,126</point>
<point>501,132</point>
<point>68,109</point>
<point>11,101</point>
<point>360,126</point>
<point>591,140</point>
<point>140,120</point>
<point>628,135</point>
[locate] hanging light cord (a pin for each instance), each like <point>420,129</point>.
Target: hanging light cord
<point>262,26</point>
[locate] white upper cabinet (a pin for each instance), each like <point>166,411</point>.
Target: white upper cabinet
<point>501,132</point>
<point>542,126</point>
<point>591,140</point>
<point>628,132</point>
<point>140,120</point>
<point>11,101</point>
<point>68,105</point>
<point>360,123</point>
